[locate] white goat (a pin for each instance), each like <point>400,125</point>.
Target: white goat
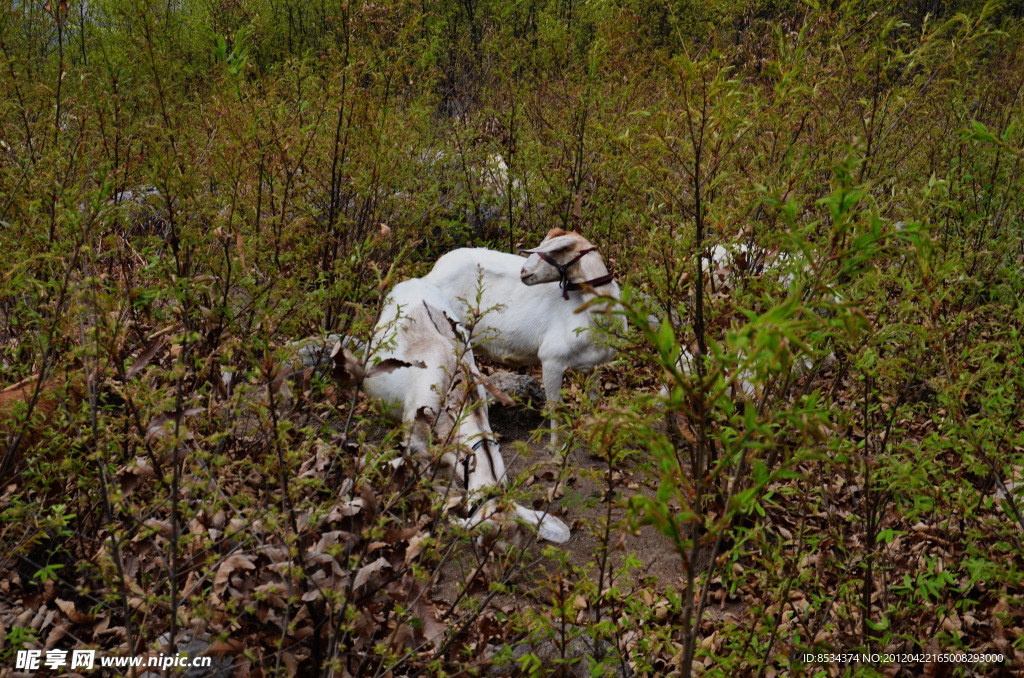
<point>427,374</point>
<point>532,310</point>
<point>725,266</point>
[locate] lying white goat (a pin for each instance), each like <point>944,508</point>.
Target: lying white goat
<point>427,374</point>
<point>532,310</point>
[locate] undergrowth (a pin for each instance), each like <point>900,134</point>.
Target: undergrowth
<point>833,465</point>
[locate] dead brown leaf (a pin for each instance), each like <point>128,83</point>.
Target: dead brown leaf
<point>228,567</point>
<point>367,571</point>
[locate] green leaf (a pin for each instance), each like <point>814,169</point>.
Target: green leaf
<point>879,626</point>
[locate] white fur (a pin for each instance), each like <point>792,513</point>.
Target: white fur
<point>526,321</point>
<point>445,396</point>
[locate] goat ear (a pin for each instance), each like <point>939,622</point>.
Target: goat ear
<point>555,232</point>
<point>554,244</point>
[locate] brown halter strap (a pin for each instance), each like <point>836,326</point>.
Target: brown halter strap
<point>563,273</point>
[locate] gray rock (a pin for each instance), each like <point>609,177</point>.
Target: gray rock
<point>522,388</point>
<point>311,353</point>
